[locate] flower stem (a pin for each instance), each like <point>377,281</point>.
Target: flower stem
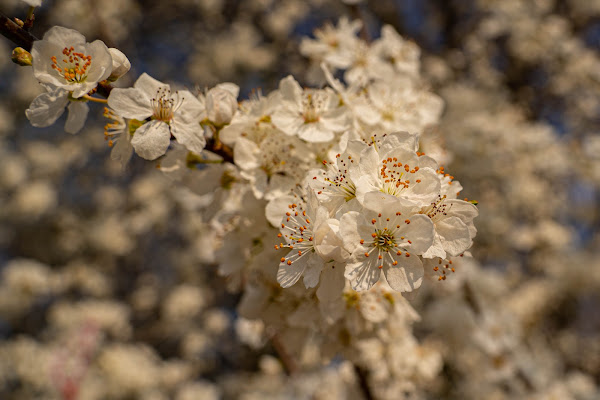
<point>29,19</point>
<point>95,99</point>
<point>286,359</point>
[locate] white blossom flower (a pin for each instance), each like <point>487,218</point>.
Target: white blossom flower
<point>391,168</point>
<point>387,242</point>
<point>64,60</point>
<point>312,115</point>
<point>312,237</point>
<point>176,114</point>
<point>335,185</point>
<point>454,229</point>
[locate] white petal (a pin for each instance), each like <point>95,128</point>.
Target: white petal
<point>349,230</point>
<point>289,121</point>
<point>288,275</point>
<point>395,140</point>
<point>246,154</point>
<point>78,112</point>
<point>41,53</point>
<point>190,108</point>
<point>407,275</point>
<point>362,275</point>
<point>336,120</point>
<point>190,135</point>
<point>420,232</point>
<point>149,85</point>
<point>276,209</point>
<point>102,63</point>
<point>381,202</point>
<point>120,64</point>
<point>45,109</point>
<point>454,234</point>
<point>314,133</point>
<point>291,90</point>
<point>313,272</point>
<point>436,249</point>
<point>122,149</point>
<point>230,87</point>
<point>130,103</point>
<point>151,140</point>
<point>64,36</point>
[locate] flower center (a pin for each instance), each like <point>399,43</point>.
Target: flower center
<point>164,104</point>
<point>339,183</point>
<point>392,172</point>
<point>384,239</point>
<point>73,67</point>
<point>437,209</point>
<point>313,105</point>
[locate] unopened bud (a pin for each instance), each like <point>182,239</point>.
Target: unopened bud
<point>120,64</point>
<point>21,56</point>
<point>221,103</point>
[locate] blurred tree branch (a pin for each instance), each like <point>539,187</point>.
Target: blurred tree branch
<point>15,33</point>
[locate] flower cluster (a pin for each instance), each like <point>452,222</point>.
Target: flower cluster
<point>375,207</point>
<point>379,207</point>
<point>330,209</point>
<point>69,69</point>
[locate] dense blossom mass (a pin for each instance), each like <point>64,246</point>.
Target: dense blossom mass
<point>334,212</point>
<point>338,169</point>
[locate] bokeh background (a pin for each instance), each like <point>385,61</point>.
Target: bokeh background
<point>108,278</point>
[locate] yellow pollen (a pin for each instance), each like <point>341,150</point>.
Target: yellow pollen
<point>74,66</point>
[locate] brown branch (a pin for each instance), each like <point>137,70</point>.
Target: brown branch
<point>16,34</point>
<point>286,359</point>
<point>361,374</point>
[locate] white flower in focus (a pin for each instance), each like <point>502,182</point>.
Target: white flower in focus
<point>64,60</point>
<point>313,240</point>
<point>391,169</point>
<point>176,114</point>
<point>312,115</point>
<point>33,3</point>
<point>46,108</point>
<point>388,242</point>
<point>335,185</point>
<point>454,228</point>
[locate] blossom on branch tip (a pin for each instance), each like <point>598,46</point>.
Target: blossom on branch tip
<point>64,60</point>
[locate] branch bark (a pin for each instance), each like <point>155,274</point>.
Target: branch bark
<point>13,32</point>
